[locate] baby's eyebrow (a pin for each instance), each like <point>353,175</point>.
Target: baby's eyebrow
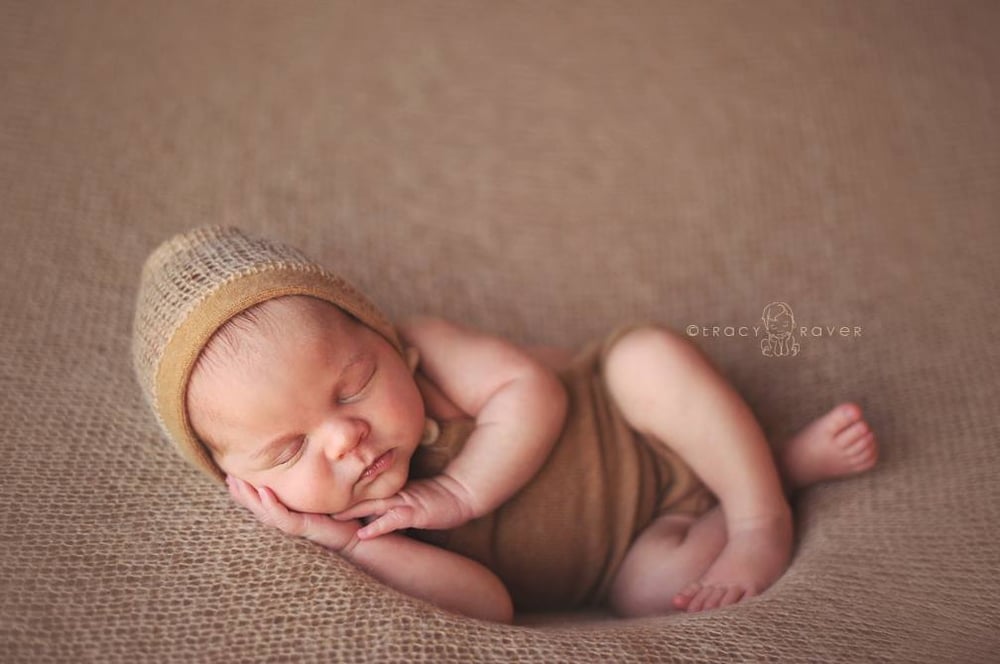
<point>272,448</point>
<point>352,360</point>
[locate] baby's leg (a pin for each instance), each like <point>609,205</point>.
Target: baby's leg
<point>838,444</point>
<point>666,388</point>
<point>664,567</point>
<point>664,560</point>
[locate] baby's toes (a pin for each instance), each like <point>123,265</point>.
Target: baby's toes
<point>851,436</point>
<point>732,595</point>
<point>714,600</point>
<point>864,452</point>
<point>845,415</point>
<point>683,599</point>
<point>703,599</point>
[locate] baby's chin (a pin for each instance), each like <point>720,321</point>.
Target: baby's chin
<point>387,485</point>
<point>391,483</point>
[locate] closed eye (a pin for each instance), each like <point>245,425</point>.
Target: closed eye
<point>291,452</point>
<point>359,392</point>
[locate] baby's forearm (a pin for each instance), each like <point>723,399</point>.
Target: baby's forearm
<point>515,431</point>
<point>443,578</point>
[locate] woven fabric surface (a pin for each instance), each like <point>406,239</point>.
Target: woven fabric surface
<point>544,171</point>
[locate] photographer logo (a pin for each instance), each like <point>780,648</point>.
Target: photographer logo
<point>778,333</point>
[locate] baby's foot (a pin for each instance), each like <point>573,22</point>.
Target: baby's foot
<point>836,444</point>
<point>755,555</point>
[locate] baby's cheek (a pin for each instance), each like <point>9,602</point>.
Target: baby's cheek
<point>319,495</point>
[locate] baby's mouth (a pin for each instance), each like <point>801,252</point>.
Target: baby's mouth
<point>378,466</point>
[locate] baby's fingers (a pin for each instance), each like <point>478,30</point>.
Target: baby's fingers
<point>265,506</point>
<point>279,516</point>
<point>373,507</point>
<point>243,493</point>
<point>396,518</point>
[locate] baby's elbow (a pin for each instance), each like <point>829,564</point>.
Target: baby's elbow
<point>500,607</point>
<point>505,611</point>
<point>486,598</point>
<point>494,602</point>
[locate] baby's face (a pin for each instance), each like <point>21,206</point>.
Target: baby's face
<point>321,409</point>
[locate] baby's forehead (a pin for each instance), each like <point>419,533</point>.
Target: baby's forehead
<point>304,307</point>
<point>291,312</point>
<point>273,324</point>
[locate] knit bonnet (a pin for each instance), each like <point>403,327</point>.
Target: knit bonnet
<point>195,282</point>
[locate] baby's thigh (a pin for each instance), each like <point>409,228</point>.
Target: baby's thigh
<point>649,372</point>
<point>671,553</point>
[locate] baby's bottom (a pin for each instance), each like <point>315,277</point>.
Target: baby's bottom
<point>667,390</point>
<point>671,553</point>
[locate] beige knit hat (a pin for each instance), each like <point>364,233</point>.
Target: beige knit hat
<point>191,285</point>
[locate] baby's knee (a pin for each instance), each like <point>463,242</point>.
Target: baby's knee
<point>645,346</point>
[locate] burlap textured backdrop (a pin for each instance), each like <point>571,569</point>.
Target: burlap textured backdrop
<point>544,171</point>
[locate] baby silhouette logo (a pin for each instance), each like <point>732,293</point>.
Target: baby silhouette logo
<point>779,325</point>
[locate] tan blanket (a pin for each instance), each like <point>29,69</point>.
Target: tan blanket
<point>545,171</point>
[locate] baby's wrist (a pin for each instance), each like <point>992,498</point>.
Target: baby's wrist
<point>347,550</point>
<point>463,497</point>
<point>344,537</point>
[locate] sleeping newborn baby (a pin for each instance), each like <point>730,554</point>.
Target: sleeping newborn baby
<point>454,465</point>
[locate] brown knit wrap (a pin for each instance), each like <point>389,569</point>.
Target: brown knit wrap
<point>195,282</point>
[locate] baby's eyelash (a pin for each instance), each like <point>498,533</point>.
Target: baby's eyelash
<point>295,448</point>
<point>350,398</point>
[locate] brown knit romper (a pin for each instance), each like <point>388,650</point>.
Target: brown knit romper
<point>558,543</point>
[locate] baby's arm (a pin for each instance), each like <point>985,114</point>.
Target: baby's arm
<point>519,406</point>
<point>412,567</point>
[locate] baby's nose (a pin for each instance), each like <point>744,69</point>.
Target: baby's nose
<point>343,437</point>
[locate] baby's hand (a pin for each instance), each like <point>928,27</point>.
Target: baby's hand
<point>319,528</point>
<point>436,503</point>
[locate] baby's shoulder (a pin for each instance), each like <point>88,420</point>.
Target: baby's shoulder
<point>424,337</point>
<point>466,365</point>
<point>436,403</point>
<point>443,339</point>
<point>422,329</point>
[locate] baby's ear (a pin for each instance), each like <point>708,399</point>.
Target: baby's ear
<point>412,357</point>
